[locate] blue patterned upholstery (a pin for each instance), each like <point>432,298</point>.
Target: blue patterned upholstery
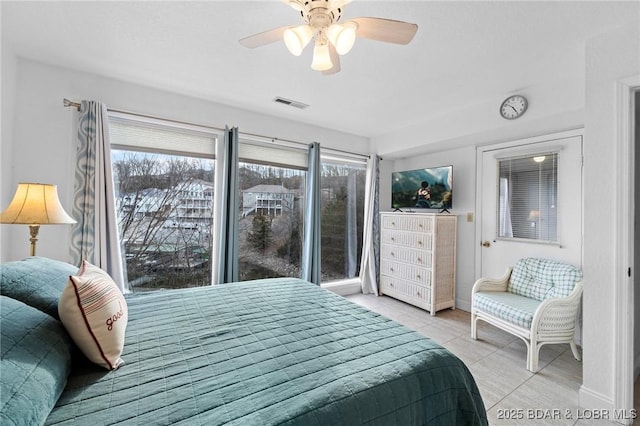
<point>542,279</point>
<point>508,306</point>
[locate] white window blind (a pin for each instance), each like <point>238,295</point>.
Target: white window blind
<point>353,160</point>
<point>276,155</point>
<point>528,197</point>
<point>148,135</point>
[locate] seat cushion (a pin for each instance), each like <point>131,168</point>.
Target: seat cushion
<point>542,279</point>
<point>510,307</point>
<point>36,281</point>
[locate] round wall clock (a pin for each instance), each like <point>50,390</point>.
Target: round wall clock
<point>513,107</point>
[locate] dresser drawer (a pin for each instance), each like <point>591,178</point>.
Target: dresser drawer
<point>418,275</point>
<point>411,292</point>
<point>408,222</point>
<point>401,254</point>
<point>414,240</point>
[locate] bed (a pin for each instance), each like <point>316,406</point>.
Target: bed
<point>264,352</point>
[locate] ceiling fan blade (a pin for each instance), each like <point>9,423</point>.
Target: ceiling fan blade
<point>387,30</point>
<point>296,4</point>
<point>335,60</point>
<point>263,38</point>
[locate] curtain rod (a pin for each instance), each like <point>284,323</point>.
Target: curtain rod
<point>74,104</point>
<point>69,103</point>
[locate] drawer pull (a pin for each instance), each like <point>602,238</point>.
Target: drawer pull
<point>393,223</point>
<point>419,259</point>
<point>420,225</point>
<point>418,276</point>
<point>419,243</point>
<point>393,238</point>
<point>390,284</point>
<point>392,254</point>
<point>418,294</point>
<point>391,269</point>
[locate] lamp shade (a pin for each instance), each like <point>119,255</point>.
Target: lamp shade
<point>321,57</point>
<point>297,38</point>
<point>342,36</point>
<point>35,204</point>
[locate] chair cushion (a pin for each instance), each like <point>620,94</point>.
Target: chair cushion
<point>542,279</point>
<point>35,363</point>
<point>510,307</point>
<point>36,281</point>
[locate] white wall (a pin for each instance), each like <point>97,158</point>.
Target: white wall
<point>636,242</point>
<point>551,108</point>
<point>464,177</point>
<point>42,148</point>
<point>8,95</point>
<point>609,57</point>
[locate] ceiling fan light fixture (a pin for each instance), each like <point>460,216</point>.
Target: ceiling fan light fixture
<point>342,36</point>
<point>332,39</point>
<point>297,38</point>
<point>321,57</point>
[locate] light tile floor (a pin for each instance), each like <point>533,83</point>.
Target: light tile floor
<point>512,395</point>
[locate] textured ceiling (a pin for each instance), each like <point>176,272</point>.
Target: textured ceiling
<point>463,53</point>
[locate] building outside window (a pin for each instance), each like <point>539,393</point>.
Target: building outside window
<point>271,200</point>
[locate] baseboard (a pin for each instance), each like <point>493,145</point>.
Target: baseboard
<point>593,404</point>
<point>593,400</point>
<point>344,288</point>
<point>463,305</point>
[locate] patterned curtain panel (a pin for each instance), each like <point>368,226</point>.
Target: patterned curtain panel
<point>370,263</point>
<point>95,237</point>
<point>311,269</point>
<point>226,269</point>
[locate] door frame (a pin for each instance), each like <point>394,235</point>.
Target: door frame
<point>480,150</point>
<point>624,282</point>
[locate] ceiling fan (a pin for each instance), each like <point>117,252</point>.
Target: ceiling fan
<point>331,38</point>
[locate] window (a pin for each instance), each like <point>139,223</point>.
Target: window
<point>163,177</point>
<point>343,188</point>
<point>528,188</point>
<point>164,184</point>
<point>272,184</point>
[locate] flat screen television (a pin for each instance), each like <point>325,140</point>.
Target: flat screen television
<point>430,188</point>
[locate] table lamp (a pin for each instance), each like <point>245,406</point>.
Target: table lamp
<point>35,204</point>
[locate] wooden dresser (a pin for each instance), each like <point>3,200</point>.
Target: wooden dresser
<point>418,259</point>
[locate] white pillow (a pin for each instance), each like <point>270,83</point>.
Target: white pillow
<point>94,312</point>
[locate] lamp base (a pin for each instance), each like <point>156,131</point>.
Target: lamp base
<point>33,231</point>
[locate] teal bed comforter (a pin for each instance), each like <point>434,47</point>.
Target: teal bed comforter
<point>267,352</point>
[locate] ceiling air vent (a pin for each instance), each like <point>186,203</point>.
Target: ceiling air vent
<point>289,102</point>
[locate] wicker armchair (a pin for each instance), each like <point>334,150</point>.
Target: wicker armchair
<point>537,300</point>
